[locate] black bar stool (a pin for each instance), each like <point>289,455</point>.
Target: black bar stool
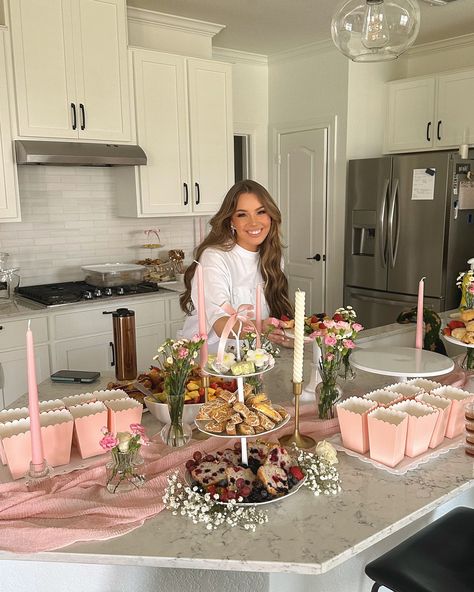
<point>438,558</point>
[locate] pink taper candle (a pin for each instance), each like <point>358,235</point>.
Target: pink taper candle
<point>419,315</point>
<point>201,313</point>
<point>258,308</point>
<point>37,456</point>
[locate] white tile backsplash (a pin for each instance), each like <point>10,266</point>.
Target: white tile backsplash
<point>69,219</point>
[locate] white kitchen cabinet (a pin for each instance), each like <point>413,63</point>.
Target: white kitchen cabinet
<point>71,69</point>
<point>430,112</point>
<point>13,369</point>
<point>184,124</point>
<point>9,197</point>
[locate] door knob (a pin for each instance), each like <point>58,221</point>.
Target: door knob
<point>317,257</point>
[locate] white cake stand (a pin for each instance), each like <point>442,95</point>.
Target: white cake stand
<point>402,362</point>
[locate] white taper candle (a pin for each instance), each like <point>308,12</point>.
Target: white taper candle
<point>299,337</point>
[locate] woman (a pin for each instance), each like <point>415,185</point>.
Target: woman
<point>242,250</point>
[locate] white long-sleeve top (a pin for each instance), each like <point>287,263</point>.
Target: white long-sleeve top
<point>229,276</point>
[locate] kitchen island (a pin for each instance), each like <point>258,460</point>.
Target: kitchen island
<point>328,538</point>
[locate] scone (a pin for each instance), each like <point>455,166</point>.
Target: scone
<point>273,479</point>
<point>458,333</point>
<point>209,473</point>
<point>234,473</point>
<point>467,315</point>
<point>279,456</point>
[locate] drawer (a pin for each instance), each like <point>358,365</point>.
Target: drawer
<point>93,321</point>
<point>13,333</point>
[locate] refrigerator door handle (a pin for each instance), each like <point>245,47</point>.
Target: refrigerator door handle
<point>383,233</point>
<point>363,298</point>
<point>393,239</point>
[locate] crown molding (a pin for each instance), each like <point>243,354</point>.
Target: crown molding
<point>452,43</point>
<point>309,49</point>
<point>238,56</point>
<point>171,21</point>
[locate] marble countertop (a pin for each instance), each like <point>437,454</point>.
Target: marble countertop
<point>305,534</point>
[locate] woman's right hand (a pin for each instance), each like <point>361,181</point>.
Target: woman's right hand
<point>275,333</point>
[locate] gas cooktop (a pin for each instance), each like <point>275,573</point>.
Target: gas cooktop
<point>70,292</point>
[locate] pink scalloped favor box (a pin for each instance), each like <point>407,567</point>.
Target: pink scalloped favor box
<point>121,413</point>
<point>89,419</point>
<point>421,423</point>
<point>387,435</point>
<point>352,415</point>
<point>460,398</point>
<point>444,407</point>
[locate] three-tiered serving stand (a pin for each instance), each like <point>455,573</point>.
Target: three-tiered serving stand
<point>241,398</point>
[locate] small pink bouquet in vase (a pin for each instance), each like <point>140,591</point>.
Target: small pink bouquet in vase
<point>123,470</point>
<point>335,337</point>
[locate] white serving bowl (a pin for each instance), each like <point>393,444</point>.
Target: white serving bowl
<point>160,411</point>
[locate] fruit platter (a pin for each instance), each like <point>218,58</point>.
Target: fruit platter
<point>461,331</point>
<point>270,474</point>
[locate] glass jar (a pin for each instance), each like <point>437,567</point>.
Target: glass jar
<point>124,471</point>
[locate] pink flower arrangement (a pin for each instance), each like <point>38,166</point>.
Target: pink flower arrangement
<point>335,337</point>
<point>124,441</point>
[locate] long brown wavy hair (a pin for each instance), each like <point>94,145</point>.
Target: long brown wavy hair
<point>222,237</point>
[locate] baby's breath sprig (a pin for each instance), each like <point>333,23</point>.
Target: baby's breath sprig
<point>187,501</point>
<point>322,477</point>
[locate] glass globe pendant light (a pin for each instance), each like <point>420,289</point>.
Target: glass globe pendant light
<point>375,30</point>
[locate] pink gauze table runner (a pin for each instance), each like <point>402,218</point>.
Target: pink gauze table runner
<point>77,506</point>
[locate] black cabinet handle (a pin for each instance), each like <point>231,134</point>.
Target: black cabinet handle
<point>1,327</point>
<point>198,193</point>
<point>83,116</point>
<point>317,257</point>
<point>186,194</point>
<point>111,343</point>
<point>74,116</point>
<point>438,130</point>
<point>428,137</point>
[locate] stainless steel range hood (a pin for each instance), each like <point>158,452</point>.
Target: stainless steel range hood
<point>77,153</point>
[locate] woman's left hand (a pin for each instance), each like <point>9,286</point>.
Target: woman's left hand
<point>277,334</point>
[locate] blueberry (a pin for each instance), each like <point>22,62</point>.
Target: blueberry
<point>223,483</point>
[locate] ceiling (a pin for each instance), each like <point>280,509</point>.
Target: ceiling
<point>269,26</point>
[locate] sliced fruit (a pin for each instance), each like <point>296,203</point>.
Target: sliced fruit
<point>297,473</point>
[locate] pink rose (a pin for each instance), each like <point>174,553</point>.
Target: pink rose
<point>348,344</point>
<point>182,352</point>
<point>274,322</point>
<point>329,323</point>
<point>329,357</point>
<point>196,338</point>
<point>108,442</point>
<point>471,288</point>
<point>330,340</point>
<point>357,327</point>
<point>342,325</point>
<point>317,333</point>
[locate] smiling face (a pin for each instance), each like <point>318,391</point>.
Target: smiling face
<point>251,222</point>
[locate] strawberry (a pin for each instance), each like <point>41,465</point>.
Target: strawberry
<point>297,473</point>
<point>314,319</point>
<point>322,326</point>
<point>337,317</point>
<point>284,318</point>
<point>447,331</point>
<point>456,325</point>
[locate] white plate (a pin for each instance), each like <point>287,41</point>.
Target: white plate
<point>201,423</point>
<point>407,464</point>
<point>212,372</point>
<point>187,478</point>
<point>456,341</point>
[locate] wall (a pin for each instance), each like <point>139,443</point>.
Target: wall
<point>306,85</point>
<point>69,219</point>
<point>366,105</point>
<point>439,56</point>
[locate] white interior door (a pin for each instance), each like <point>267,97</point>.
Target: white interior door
<point>303,185</point>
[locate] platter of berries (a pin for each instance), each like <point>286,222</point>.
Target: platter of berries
<point>461,332</point>
<point>271,475</point>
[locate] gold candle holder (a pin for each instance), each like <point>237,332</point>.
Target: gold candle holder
<point>299,440</point>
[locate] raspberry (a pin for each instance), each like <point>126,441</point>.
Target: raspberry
<point>297,473</point>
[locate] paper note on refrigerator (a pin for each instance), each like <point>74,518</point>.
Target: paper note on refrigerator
<point>423,184</point>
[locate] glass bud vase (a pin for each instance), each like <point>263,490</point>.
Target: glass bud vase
<point>468,362</point>
<point>124,471</point>
<point>176,433</point>
<point>346,371</point>
<point>328,393</point>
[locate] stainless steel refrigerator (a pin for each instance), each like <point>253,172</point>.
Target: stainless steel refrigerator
<point>407,216</point>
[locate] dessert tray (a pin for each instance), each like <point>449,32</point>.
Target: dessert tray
<point>294,489</point>
<point>201,423</point>
<point>457,341</point>
<point>229,374</point>
<point>407,464</point>
<point>291,334</point>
